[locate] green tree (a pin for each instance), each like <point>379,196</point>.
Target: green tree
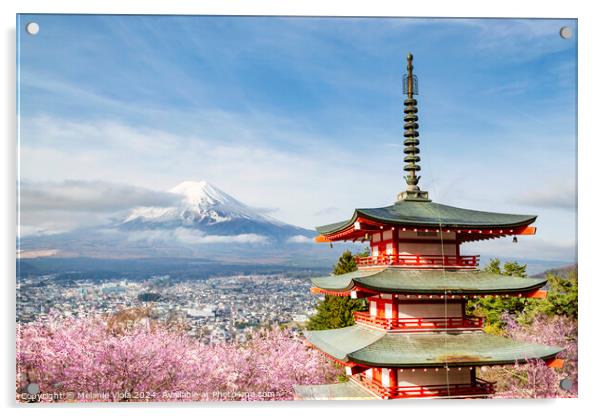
<point>511,268</point>
<point>562,299</point>
<point>337,311</point>
<point>346,264</point>
<point>562,296</point>
<point>492,308</point>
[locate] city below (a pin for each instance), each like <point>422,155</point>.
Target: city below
<point>215,309</point>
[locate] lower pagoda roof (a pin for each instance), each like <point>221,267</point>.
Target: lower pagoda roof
<point>398,280</point>
<point>430,214</point>
<point>371,347</point>
<point>339,391</point>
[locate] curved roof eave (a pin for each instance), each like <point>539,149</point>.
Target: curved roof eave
<point>363,345</point>
<point>431,214</point>
<point>451,363</point>
<point>398,280</point>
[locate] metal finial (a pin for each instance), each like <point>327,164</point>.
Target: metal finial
<point>411,142</point>
<point>410,82</point>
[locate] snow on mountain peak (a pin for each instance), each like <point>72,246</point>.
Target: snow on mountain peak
<point>201,201</point>
<point>203,196</point>
<point>201,193</point>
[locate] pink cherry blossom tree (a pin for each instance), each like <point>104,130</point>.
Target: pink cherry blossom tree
<point>89,360</point>
<point>535,379</point>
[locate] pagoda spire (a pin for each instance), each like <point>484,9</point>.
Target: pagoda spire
<point>411,142</point>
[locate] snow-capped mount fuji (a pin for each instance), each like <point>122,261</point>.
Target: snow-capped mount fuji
<point>205,208</point>
<point>201,222</point>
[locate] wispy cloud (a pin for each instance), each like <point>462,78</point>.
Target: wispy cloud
<point>557,196</point>
<point>192,237</point>
<point>33,254</point>
<point>301,239</point>
<point>532,247</point>
<point>57,207</point>
<point>89,196</point>
<point>327,211</point>
<point>507,37</point>
<point>266,210</point>
<point>511,88</point>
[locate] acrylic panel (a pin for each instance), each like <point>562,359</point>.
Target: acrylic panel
<point>226,208</point>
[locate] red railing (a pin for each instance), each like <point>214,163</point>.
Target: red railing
<point>477,388</point>
<point>419,260</point>
<point>419,323</point>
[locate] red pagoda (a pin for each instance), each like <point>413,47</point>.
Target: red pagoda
<point>415,340</point>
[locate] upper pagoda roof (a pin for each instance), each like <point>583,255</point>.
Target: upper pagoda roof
<point>431,214</point>
<point>363,345</point>
<point>397,280</point>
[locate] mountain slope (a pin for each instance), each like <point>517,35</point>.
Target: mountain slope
<point>205,208</point>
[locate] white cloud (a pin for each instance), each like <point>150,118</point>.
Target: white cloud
<point>192,236</point>
<point>96,196</point>
<point>56,207</point>
<point>33,254</point>
<point>300,239</point>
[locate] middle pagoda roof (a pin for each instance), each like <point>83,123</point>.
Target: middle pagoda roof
<point>409,281</point>
<point>430,214</point>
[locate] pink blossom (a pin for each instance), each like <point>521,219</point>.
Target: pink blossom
<point>84,360</point>
<point>535,379</point>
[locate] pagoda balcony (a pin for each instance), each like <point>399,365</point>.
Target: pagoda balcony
<point>478,388</point>
<point>413,324</point>
<point>421,261</point>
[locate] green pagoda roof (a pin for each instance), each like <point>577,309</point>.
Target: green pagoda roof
<point>371,347</point>
<point>426,213</point>
<point>339,391</point>
<point>398,280</point>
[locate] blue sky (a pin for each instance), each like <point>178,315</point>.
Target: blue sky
<point>302,117</point>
